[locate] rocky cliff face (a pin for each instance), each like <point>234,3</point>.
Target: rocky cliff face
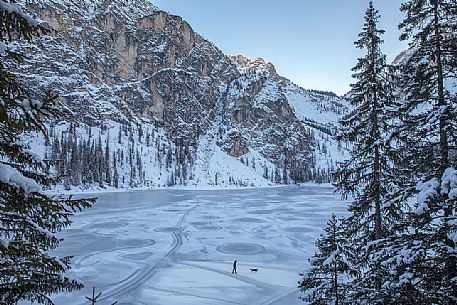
<point>128,63</point>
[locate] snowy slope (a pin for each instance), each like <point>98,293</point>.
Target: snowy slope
<point>124,68</point>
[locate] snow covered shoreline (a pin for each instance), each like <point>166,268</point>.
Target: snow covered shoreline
<point>78,191</point>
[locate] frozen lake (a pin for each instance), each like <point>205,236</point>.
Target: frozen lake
<point>172,247</point>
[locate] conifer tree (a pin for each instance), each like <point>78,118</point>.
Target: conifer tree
<point>368,175</point>
<point>29,219</point>
<point>116,173</point>
<point>324,283</point>
<point>100,162</point>
<point>140,133</point>
<point>422,255</point>
<point>107,165</point>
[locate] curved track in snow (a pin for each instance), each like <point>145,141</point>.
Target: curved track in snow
<point>197,236</point>
<point>133,281</point>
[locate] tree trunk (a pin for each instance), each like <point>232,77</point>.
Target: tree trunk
<point>375,135</point>
<point>376,161</point>
<point>335,266</point>
<point>444,144</point>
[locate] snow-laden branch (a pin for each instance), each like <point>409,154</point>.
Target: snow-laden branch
<point>10,175</point>
<point>449,183</point>
<point>13,8</point>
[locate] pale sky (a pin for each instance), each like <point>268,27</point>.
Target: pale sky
<point>310,42</point>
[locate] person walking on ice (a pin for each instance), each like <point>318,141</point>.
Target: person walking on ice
<point>234,267</point>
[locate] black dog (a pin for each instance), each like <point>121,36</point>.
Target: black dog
<point>254,270</point>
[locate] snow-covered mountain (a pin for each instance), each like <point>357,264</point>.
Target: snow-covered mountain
<point>149,102</point>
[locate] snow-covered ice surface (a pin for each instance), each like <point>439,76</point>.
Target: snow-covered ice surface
<point>177,246</point>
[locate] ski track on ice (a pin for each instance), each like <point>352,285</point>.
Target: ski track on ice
<point>282,235</point>
<point>241,278</point>
<point>141,272</point>
<point>198,296</point>
<point>272,300</point>
<point>130,283</point>
<point>142,275</point>
<point>79,263</point>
